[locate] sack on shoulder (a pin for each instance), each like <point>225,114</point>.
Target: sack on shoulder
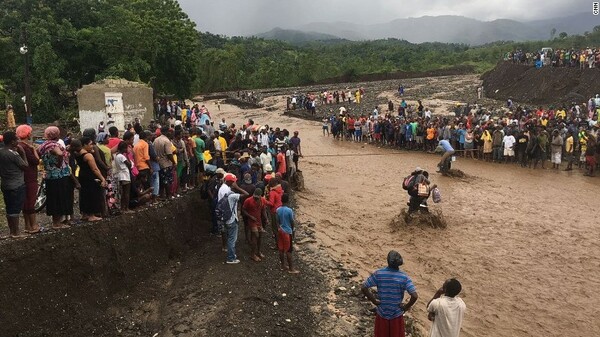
<point>423,190</point>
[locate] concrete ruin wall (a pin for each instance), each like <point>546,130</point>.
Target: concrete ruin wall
<point>130,100</point>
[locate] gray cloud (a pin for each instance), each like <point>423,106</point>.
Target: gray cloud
<point>246,17</point>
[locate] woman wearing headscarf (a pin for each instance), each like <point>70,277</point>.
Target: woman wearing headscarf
<point>59,183</point>
<point>90,178</point>
<point>31,183</point>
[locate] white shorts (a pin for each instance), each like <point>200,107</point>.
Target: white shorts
<point>509,152</point>
<point>556,158</point>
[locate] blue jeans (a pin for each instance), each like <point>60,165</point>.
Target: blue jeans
<point>232,233</point>
<point>155,183</point>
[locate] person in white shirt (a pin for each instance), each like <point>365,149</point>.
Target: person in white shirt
<point>427,113</point>
<point>509,151</point>
<point>122,165</point>
<point>265,158</point>
<point>263,137</point>
<point>230,230</point>
<point>446,310</point>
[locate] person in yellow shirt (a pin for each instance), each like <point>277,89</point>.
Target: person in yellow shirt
<point>582,136</point>
<point>223,143</point>
<point>569,151</point>
<point>561,113</point>
<point>184,113</point>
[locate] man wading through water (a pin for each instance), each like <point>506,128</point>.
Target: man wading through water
<point>391,283</point>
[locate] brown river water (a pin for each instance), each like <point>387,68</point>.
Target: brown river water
<point>524,243</point>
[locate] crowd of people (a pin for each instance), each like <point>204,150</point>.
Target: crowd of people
<point>515,134</point>
<point>575,58</point>
<point>309,101</point>
<point>250,166</point>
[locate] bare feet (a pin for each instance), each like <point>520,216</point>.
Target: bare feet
<point>19,236</point>
<point>294,271</point>
<point>94,219</point>
<point>255,258</point>
<point>60,226</point>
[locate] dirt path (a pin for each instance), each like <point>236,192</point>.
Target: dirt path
<point>518,240</point>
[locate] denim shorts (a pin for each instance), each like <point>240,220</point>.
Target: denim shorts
<point>14,200</point>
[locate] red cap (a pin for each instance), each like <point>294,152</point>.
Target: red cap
<point>230,177</point>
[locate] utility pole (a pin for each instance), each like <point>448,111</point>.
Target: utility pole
<point>24,50</point>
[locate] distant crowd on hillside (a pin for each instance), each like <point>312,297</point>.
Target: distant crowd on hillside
<point>582,58</point>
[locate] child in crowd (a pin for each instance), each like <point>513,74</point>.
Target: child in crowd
<point>123,176</point>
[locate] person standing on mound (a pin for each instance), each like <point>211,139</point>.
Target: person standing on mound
<point>391,283</point>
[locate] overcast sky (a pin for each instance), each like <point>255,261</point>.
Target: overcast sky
<point>246,17</point>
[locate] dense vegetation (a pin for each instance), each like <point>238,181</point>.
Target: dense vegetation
<point>75,42</point>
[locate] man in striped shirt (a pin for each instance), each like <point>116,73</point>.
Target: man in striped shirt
<point>391,284</point>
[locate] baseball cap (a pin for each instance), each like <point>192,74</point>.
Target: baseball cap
<point>230,177</point>
<point>268,168</point>
<point>220,171</point>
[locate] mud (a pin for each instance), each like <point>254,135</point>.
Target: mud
<point>548,85</point>
<point>433,219</point>
<point>160,274</point>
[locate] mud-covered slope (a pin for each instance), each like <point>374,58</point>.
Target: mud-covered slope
<point>59,283</point>
<point>547,85</point>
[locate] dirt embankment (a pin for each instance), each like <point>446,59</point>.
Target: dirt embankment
<point>161,274</point>
<point>59,283</point>
<point>547,85</point>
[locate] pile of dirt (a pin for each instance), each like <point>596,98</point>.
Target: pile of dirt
<point>547,85</point>
<point>432,219</point>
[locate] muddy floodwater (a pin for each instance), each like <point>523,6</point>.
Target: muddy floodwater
<point>524,243</point>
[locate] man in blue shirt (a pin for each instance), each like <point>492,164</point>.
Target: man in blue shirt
<point>447,150</point>
<point>391,284</point>
<point>285,234</point>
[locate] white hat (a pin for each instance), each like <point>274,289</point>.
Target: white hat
<point>268,168</point>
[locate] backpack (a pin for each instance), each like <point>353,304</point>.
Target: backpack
<point>409,182</point>
<point>223,210</point>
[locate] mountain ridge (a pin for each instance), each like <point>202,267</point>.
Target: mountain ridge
<point>442,28</point>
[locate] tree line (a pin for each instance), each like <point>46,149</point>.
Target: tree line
<point>71,43</point>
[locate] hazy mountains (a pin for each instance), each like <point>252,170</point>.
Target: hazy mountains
<point>457,29</point>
